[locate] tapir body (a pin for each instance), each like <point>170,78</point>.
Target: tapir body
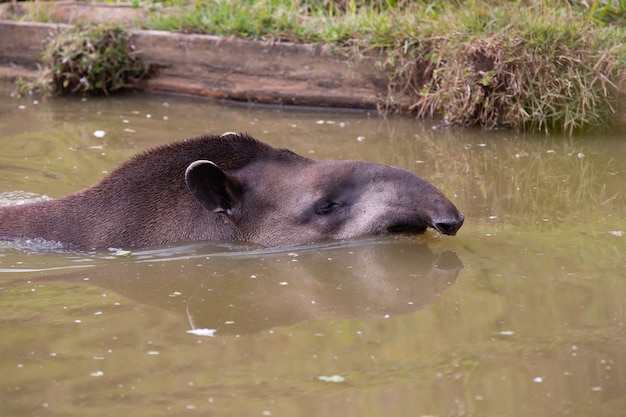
<point>233,187</point>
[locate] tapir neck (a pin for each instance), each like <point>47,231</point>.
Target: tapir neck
<point>48,220</point>
<point>85,219</point>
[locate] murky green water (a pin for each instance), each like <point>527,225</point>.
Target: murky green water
<point>521,314</point>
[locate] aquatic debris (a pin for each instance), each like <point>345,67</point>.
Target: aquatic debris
<point>99,133</point>
<point>203,332</point>
<point>332,378</point>
<point>617,233</point>
<point>85,148</point>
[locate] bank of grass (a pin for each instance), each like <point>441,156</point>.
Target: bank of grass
<point>551,65</point>
<point>533,68</point>
<point>536,65</point>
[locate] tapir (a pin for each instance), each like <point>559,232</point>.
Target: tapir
<point>235,188</point>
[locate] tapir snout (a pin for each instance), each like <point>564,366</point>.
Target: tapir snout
<point>419,205</point>
<point>449,226</point>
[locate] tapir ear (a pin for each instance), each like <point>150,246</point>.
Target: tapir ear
<point>213,188</point>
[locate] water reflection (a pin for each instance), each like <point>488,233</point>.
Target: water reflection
<point>245,291</point>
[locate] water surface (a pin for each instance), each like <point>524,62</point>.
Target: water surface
<point>521,314</point>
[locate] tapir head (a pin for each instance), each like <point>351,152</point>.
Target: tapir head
<point>290,200</point>
<point>235,188</point>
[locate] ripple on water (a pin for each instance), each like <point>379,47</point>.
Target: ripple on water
<point>16,198</point>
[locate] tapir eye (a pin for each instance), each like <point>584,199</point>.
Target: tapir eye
<point>325,207</point>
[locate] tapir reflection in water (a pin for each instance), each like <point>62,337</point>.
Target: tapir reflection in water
<point>241,289</point>
<point>233,187</point>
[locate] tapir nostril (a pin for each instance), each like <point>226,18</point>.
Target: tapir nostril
<point>450,226</point>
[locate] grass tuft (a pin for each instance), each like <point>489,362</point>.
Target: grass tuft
<point>94,59</point>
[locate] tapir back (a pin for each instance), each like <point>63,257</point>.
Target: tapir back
<point>143,202</point>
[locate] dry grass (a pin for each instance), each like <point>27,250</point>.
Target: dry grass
<point>551,74</point>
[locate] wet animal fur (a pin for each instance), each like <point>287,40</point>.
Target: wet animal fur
<point>130,205</point>
<point>233,187</point>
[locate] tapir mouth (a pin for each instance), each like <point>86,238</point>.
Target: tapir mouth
<point>406,229</point>
<point>444,226</point>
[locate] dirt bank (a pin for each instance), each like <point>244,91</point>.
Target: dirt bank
<point>210,66</point>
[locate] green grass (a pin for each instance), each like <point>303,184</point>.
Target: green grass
<point>298,21</point>
<point>550,65</point>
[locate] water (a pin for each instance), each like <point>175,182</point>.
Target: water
<point>521,314</point>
